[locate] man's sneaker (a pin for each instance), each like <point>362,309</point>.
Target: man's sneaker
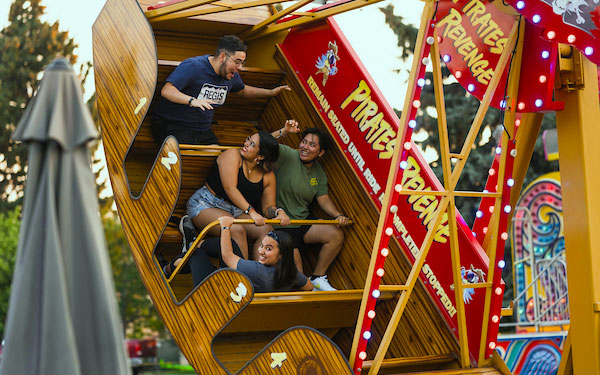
<point>321,283</point>
<point>188,232</point>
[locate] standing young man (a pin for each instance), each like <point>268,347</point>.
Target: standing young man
<point>197,87</point>
<point>300,179</point>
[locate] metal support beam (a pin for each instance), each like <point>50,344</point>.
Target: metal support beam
<point>578,135</point>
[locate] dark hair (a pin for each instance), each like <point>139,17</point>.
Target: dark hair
<point>285,270</point>
<point>323,137</point>
<point>230,44</point>
<point>269,148</point>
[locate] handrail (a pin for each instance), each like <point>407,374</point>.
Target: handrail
<point>210,225</point>
<point>186,146</point>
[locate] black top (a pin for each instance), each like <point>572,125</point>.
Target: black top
<point>251,191</point>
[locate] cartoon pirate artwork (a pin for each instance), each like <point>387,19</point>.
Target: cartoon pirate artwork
<point>326,63</point>
<point>470,276</point>
<point>575,12</point>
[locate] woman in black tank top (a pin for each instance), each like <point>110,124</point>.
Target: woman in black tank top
<point>244,179</point>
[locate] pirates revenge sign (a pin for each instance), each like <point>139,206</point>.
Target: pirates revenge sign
<point>365,128</point>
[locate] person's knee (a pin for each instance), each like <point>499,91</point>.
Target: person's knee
<point>238,231</point>
<point>337,236</point>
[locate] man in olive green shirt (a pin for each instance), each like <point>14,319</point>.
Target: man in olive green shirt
<point>300,180</point>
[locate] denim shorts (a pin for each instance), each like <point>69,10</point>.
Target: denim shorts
<point>203,199</point>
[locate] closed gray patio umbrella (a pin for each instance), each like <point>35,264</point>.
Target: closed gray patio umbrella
<point>63,317</point>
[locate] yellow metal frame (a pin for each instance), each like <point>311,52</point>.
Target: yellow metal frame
<point>447,202</point>
<point>578,134</point>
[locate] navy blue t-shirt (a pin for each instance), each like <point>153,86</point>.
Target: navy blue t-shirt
<point>196,77</point>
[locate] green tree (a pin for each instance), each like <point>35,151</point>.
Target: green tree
<point>9,227</point>
<point>27,45</point>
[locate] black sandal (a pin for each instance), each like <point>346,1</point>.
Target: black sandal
<point>170,267</point>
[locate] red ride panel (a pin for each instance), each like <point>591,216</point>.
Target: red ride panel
<point>364,127</point>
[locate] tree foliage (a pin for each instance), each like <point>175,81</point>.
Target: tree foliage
<point>27,45</point>
<point>9,227</point>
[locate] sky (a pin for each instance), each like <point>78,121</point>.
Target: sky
<point>365,28</point>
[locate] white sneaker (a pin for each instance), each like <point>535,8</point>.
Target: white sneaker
<point>321,283</point>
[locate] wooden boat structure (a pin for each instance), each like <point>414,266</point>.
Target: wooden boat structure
<point>402,273</point>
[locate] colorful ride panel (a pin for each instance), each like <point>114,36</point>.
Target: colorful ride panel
<point>532,354</point>
<point>540,273</point>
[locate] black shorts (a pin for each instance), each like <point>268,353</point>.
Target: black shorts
<point>162,128</point>
<point>297,234</point>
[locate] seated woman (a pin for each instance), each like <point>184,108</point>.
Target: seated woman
<point>241,185</point>
<point>273,271</point>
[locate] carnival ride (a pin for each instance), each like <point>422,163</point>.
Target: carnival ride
<point>384,320</point>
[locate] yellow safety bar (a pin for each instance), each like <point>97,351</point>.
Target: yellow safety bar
<point>204,231</point>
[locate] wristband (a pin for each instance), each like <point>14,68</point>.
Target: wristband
<point>277,210</point>
<point>223,228</point>
<point>247,211</point>
<point>190,101</point>
<point>280,134</point>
